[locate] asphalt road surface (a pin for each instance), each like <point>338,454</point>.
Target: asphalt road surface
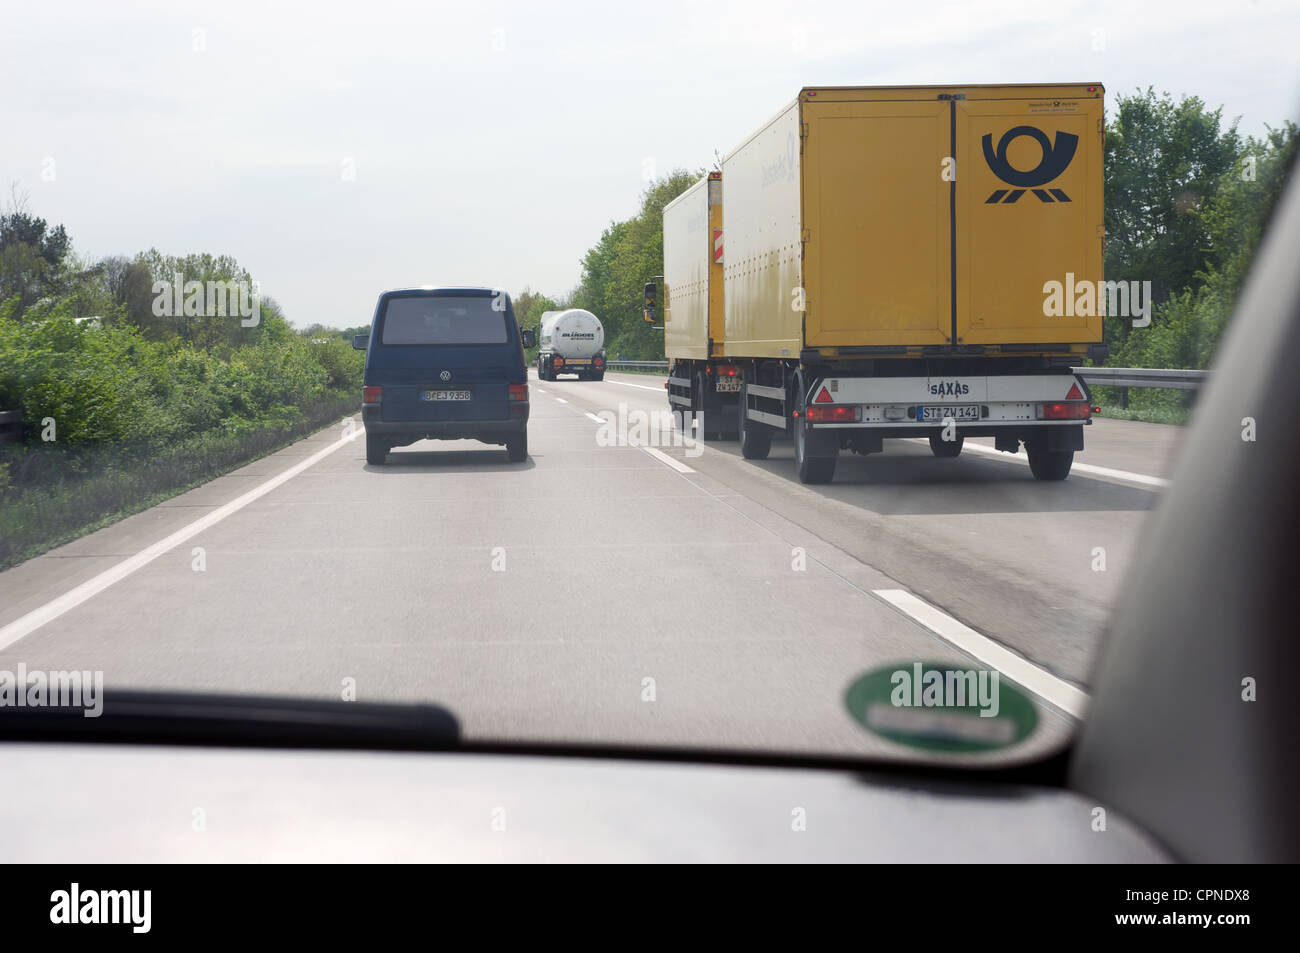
<point>602,593</point>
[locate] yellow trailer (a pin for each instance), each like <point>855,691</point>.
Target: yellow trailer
<point>910,262</point>
<point>891,220</point>
<point>701,383</point>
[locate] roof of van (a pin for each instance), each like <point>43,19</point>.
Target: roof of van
<point>457,289</point>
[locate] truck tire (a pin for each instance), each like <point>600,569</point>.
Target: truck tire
<point>755,438</point>
<point>810,469</point>
<point>1048,464</point>
<point>598,376</point>
<point>517,447</point>
<point>376,450</point>
<point>946,448</point>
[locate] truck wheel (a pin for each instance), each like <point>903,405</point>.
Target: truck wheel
<point>598,376</point>
<point>755,438</point>
<point>517,447</point>
<point>811,469</point>
<point>376,450</point>
<point>1048,464</point>
<point>946,448</point>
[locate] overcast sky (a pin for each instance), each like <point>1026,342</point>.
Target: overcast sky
<point>340,148</point>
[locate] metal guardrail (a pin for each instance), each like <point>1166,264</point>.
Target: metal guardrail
<point>1143,377</point>
<point>11,425</point>
<point>642,365</point>
<point>1126,377</point>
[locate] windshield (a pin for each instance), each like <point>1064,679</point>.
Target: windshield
<point>442,320</point>
<point>899,321</point>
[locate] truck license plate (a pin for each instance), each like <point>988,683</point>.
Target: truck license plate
<point>728,385</point>
<point>937,414</point>
<point>446,395</point>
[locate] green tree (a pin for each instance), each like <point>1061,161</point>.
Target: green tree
<point>628,254</point>
<point>1164,162</point>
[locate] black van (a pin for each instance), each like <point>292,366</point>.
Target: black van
<point>445,364</point>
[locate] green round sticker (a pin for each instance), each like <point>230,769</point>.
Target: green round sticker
<point>942,707</point>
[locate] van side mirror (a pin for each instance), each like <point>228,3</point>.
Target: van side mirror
<point>360,341</point>
<point>529,338</point>
<point>650,291</point>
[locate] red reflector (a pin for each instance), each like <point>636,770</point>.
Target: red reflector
<point>842,413</point>
<point>1075,393</point>
<point>370,395</point>
<point>518,391</point>
<point>824,397</point>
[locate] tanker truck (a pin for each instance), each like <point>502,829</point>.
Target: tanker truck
<point>570,342</point>
<point>893,266</point>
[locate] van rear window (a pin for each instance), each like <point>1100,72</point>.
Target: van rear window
<point>443,319</point>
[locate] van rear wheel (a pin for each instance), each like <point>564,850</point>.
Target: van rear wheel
<point>376,450</point>
<point>517,447</point>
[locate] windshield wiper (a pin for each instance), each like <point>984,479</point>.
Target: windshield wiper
<point>140,717</point>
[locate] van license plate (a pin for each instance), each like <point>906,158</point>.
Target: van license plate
<point>937,414</point>
<point>446,395</point>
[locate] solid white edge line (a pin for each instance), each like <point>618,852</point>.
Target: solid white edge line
<point>29,623</point>
<point>599,420</point>
<point>560,400</point>
<point>664,458</point>
<point>1020,670</point>
<point>1080,467</point>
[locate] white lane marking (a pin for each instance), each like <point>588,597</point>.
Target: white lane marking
<point>664,458</point>
<point>599,420</point>
<point>1078,467</point>
<point>33,620</point>
<point>608,380</point>
<point>560,400</point>
<point>1020,670</point>
<point>540,391</point>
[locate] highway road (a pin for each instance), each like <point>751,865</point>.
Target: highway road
<point>604,593</point>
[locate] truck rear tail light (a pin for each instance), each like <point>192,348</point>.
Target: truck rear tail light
<point>728,370</point>
<point>557,361</point>
<point>518,391</point>
<point>835,413</point>
<point>371,395</point>
<point>599,362</point>
<point>1064,410</point>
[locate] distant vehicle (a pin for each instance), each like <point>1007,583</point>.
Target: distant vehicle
<point>444,364</point>
<point>571,342</point>
<point>866,290</point>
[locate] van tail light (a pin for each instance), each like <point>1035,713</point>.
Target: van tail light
<point>518,391</point>
<point>1064,410</point>
<point>371,395</point>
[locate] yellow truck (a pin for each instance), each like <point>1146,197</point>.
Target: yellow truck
<point>894,262</point>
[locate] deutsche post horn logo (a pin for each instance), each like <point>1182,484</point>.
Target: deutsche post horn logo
<point>1056,156</point>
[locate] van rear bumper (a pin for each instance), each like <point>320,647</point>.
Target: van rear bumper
<point>408,431</point>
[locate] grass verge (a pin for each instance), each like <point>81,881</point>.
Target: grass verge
<point>113,484</point>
